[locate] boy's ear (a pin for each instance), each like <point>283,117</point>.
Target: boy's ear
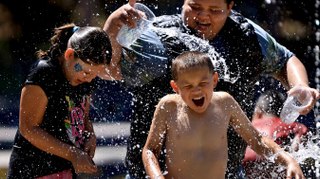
<point>215,79</point>
<point>69,54</point>
<point>174,86</point>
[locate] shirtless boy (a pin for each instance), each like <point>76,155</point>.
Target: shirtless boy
<point>193,126</point>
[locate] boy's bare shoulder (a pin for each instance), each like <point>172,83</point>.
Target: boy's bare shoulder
<point>170,100</point>
<point>225,99</point>
<point>222,95</point>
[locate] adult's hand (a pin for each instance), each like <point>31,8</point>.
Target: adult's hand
<point>132,2</point>
<point>125,15</point>
<point>315,95</point>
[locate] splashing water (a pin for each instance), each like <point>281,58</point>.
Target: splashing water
<point>307,149</point>
<point>307,156</point>
<point>197,44</point>
<point>308,153</point>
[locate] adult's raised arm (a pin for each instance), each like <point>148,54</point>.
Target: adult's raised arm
<point>125,15</point>
<point>295,75</point>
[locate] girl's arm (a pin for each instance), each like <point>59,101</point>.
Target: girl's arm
<point>91,139</point>
<point>124,15</point>
<point>33,104</point>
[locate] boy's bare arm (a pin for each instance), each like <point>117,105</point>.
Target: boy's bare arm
<point>155,141</point>
<point>293,168</point>
<point>261,144</point>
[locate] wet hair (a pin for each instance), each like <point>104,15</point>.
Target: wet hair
<point>270,102</point>
<point>227,1</point>
<point>190,61</point>
<point>91,44</point>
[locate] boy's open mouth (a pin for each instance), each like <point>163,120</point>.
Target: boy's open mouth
<point>198,101</point>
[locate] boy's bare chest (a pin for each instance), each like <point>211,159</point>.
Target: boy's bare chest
<point>199,131</point>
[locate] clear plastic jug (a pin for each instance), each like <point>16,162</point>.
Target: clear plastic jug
<point>293,105</point>
<point>127,36</point>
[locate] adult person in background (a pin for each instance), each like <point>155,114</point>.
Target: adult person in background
<point>266,119</point>
<point>55,138</point>
<point>248,50</point>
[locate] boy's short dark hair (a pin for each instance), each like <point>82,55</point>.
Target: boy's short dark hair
<point>271,102</point>
<point>190,60</point>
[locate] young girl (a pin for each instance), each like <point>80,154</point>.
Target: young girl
<point>55,137</point>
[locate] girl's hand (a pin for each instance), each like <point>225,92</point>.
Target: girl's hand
<point>82,162</point>
<point>90,144</point>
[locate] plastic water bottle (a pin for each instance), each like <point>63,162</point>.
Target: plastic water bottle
<point>127,36</point>
<point>293,105</point>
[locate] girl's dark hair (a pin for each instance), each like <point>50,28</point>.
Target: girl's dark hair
<point>190,60</point>
<point>91,44</point>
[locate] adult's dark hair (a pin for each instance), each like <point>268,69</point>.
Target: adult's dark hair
<point>91,44</point>
<point>190,60</point>
<point>228,1</point>
<point>270,102</point>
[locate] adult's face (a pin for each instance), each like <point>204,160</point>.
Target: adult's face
<point>206,17</point>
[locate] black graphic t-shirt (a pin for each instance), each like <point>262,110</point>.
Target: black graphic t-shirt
<point>63,119</point>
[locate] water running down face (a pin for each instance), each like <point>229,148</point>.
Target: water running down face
<point>78,72</point>
<point>195,86</point>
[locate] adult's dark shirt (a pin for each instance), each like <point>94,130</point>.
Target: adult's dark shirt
<point>247,50</point>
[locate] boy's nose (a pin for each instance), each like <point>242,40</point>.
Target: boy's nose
<point>196,89</point>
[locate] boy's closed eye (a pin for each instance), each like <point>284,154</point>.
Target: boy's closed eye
<point>203,83</point>
<point>187,86</point>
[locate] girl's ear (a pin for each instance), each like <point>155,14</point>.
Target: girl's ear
<point>69,54</point>
<point>174,86</point>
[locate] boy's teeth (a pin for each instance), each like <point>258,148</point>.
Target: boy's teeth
<point>197,98</point>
